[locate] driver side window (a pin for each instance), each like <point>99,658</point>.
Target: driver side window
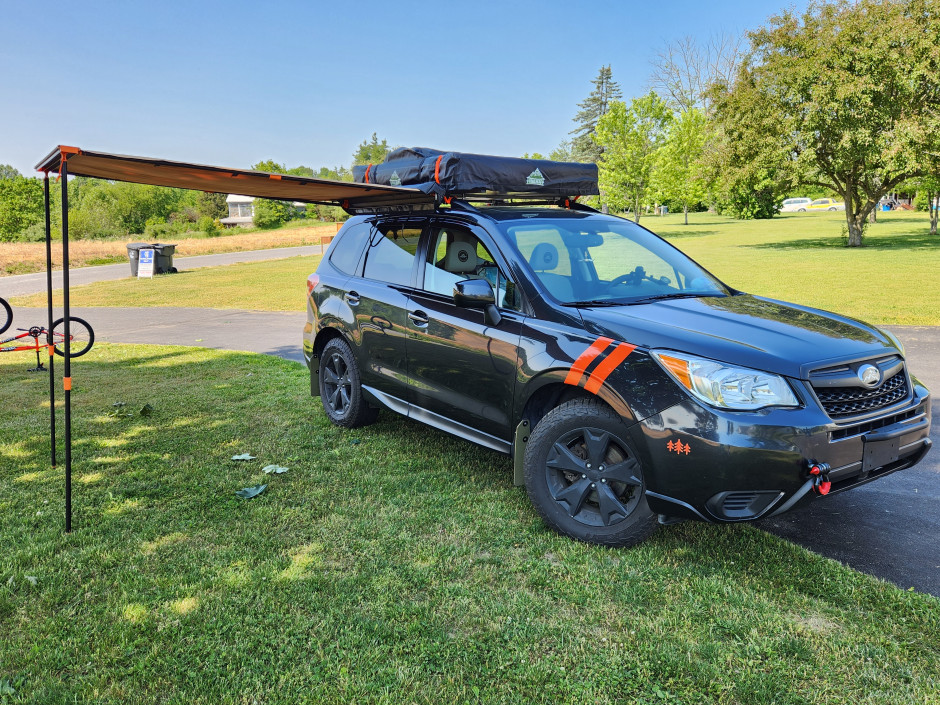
<point>456,254</point>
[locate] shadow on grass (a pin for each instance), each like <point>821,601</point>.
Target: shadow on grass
<point>679,235</point>
<point>914,241</point>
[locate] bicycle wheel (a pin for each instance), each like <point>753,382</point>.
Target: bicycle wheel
<point>6,315</point>
<point>82,336</point>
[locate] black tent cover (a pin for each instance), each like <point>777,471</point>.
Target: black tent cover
<point>456,174</point>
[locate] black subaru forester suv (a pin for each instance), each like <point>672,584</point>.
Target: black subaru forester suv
<point>627,382</point>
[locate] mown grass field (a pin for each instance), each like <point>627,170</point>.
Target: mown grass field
<point>390,564</point>
<point>894,279</point>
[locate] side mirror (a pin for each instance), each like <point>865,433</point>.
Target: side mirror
<point>477,293</point>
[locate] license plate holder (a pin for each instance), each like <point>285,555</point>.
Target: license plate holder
<point>880,453</point>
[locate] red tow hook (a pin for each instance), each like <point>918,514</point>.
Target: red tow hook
<point>820,474</point>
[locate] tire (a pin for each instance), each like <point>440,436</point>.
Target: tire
<point>340,389</point>
<point>6,315</point>
<point>801,210</point>
<point>584,478</point>
<point>833,209</point>
<point>83,337</point>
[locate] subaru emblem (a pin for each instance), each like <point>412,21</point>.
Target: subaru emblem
<point>869,375</point>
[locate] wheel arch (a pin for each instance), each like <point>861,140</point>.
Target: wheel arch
<point>546,392</point>
<point>323,336</point>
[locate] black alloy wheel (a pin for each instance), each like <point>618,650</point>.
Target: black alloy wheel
<point>340,389</point>
<point>583,477</point>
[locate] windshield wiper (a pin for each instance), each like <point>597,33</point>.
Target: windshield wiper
<point>660,297</point>
<point>595,302</point>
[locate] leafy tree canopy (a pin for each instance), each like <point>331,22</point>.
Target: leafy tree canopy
<point>8,172</point>
<point>631,136</point>
<point>371,151</point>
<point>849,94</point>
<point>21,205</point>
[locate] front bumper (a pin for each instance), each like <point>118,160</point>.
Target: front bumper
<point>720,466</point>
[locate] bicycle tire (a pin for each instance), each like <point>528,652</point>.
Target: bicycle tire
<point>6,315</point>
<point>82,335</point>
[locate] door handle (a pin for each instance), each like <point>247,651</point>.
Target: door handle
<point>352,298</point>
<point>419,318</point>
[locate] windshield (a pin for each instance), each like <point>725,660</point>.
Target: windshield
<point>603,261</point>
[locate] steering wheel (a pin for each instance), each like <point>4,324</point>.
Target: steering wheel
<point>634,278</point>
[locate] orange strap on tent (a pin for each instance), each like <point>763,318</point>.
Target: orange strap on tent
<point>437,168</point>
<point>368,169</point>
<point>67,384</point>
<point>447,200</point>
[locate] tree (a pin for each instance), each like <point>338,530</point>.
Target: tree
<point>583,146</point>
<point>8,172</point>
<point>930,187</point>
<point>21,205</point>
<point>270,166</point>
<point>212,205</point>
<point>853,89</point>
<point>371,152</point>
<point>562,153</point>
<point>270,213</point>
<point>679,173</point>
<point>684,70</point>
<point>631,137</point>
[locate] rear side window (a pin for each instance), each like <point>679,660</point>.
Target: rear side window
<point>348,249</point>
<point>392,254</point>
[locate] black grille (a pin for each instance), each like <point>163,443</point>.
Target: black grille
<point>849,401</point>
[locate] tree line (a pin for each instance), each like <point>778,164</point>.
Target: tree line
<point>842,99</point>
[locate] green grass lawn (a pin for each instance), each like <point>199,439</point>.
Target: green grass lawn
<point>390,564</point>
<point>799,257</point>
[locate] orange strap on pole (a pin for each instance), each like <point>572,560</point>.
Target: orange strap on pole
<point>67,384</point>
<point>51,350</point>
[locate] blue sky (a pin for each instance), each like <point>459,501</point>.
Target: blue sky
<point>232,83</point>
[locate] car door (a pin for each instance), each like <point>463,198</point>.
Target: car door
<point>380,301</point>
<point>461,369</point>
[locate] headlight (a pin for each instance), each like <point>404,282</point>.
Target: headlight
<point>726,386</point>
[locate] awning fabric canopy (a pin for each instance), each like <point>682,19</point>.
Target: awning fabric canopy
<point>161,172</point>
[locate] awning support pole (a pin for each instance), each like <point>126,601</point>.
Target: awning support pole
<point>67,375</point>
<point>49,340</point>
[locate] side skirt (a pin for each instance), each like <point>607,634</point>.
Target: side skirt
<point>437,421</point>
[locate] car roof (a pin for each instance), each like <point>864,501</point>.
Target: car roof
<point>505,213</point>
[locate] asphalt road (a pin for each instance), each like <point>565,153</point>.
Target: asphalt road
<point>888,528</point>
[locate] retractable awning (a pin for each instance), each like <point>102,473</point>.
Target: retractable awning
<point>162,172</point>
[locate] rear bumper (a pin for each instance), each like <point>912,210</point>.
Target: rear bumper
<point>706,464</point>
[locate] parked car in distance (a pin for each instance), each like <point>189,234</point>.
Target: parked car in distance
<point>793,205</point>
<point>826,204</point>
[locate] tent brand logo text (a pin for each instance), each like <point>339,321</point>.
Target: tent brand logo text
<point>535,179</point>
<point>395,179</point>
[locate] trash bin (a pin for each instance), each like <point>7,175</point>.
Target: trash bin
<point>163,258</point>
<point>133,248</point>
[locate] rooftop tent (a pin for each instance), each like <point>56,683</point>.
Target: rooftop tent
<point>162,172</point>
<point>463,175</point>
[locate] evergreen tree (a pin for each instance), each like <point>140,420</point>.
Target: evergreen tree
<point>592,109</point>
<point>371,152</point>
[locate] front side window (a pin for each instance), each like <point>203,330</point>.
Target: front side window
<point>456,254</point>
<point>606,261</point>
<point>391,255</point>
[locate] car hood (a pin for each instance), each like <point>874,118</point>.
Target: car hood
<point>743,330</point>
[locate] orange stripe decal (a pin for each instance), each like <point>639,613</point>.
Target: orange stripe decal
<point>603,370</point>
<point>437,168</point>
<point>580,365</point>
<point>67,384</point>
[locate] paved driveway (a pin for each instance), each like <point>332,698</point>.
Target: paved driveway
<point>888,528</point>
